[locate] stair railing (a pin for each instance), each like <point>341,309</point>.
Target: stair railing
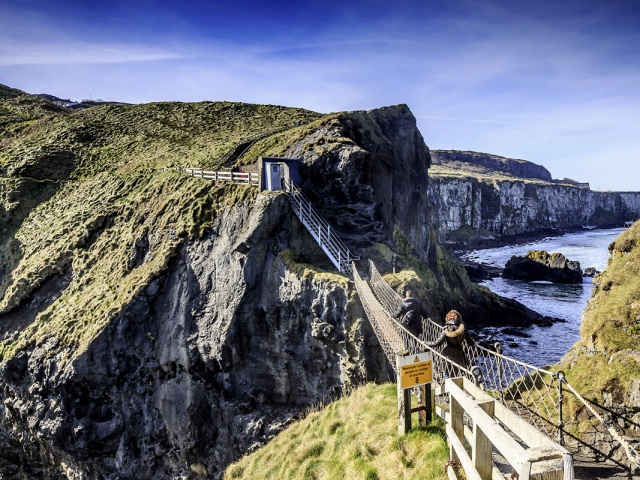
<point>320,230</point>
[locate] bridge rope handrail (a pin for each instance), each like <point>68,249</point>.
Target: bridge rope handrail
<point>631,452</point>
<point>392,299</point>
<point>395,338</point>
<point>532,392</point>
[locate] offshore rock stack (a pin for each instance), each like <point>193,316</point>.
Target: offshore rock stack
<point>540,265</point>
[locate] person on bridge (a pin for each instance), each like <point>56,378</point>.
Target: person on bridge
<point>455,335</point>
<point>409,309</point>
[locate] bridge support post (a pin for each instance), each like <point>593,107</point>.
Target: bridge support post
<point>425,409</point>
<point>404,404</point>
<point>560,399</point>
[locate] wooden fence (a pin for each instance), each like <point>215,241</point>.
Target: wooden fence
<point>238,177</point>
<point>496,432</point>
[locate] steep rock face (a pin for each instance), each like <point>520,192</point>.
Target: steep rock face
<point>213,358</point>
<point>368,173</point>
<point>517,207</point>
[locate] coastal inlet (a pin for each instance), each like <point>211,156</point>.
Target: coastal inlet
<point>541,346</point>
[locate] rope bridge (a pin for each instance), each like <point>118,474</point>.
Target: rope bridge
<point>533,393</point>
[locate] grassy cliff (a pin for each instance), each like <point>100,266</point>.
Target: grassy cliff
<point>87,196</point>
<point>352,438</point>
<point>606,360</point>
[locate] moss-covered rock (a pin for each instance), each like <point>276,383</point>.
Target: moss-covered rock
<point>605,364</point>
<point>540,265</point>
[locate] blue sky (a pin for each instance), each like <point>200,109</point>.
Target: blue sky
<point>554,82</point>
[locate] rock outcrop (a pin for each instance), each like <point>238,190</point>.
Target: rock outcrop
<point>368,173</point>
<point>540,265</point>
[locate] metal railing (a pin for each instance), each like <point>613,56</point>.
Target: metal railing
<point>320,230</point>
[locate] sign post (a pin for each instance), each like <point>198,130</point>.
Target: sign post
<point>414,371</point>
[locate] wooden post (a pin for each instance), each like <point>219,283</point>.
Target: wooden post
<point>424,405</point>
<point>481,450</point>
<point>404,404</point>
<point>457,424</point>
<point>560,399</point>
<point>428,408</point>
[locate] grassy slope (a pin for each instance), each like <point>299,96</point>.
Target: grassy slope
<point>352,438</point>
<point>103,169</point>
<point>485,175</point>
<point>604,360</point>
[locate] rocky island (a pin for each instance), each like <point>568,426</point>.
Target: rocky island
<point>540,265</point>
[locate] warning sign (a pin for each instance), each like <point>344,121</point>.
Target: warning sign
<point>415,370</point>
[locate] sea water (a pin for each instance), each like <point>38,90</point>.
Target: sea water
<point>541,346</point>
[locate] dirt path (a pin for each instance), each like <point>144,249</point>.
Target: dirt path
<point>588,469</point>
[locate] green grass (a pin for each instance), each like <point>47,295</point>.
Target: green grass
<point>306,270</point>
<point>75,229</point>
<point>74,185</point>
<point>603,361</point>
<point>481,174</point>
<point>352,438</point>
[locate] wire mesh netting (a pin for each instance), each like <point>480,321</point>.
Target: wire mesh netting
<point>531,392</point>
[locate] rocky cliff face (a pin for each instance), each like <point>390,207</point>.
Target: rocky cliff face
<point>153,325</point>
<point>213,357</point>
<point>367,171</point>
<point>474,207</point>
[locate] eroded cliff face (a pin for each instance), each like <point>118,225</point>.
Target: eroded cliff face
<point>368,173</point>
<point>158,326</point>
<point>211,360</point>
<point>466,206</point>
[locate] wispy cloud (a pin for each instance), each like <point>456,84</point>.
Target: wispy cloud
<point>82,53</point>
<point>486,76</point>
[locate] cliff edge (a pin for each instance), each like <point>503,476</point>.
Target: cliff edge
<point>483,198</point>
<point>605,364</point>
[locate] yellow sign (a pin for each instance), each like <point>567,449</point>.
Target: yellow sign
<point>415,374</point>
